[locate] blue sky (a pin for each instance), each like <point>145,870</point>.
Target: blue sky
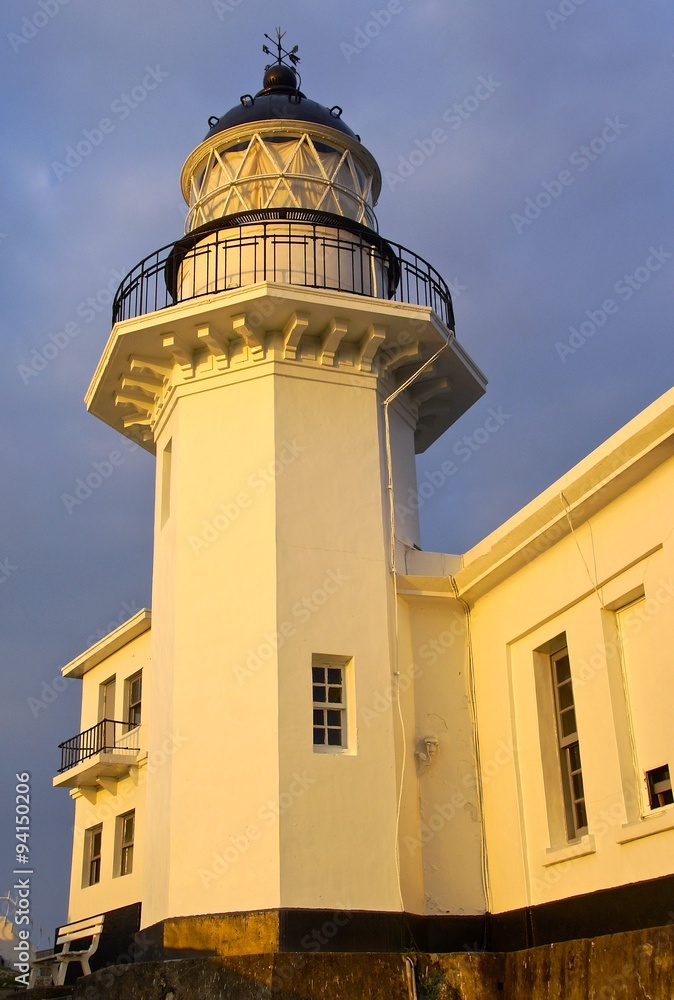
<point>526,153</point>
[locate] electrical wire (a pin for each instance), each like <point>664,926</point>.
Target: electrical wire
<point>621,652</point>
<point>593,581</point>
<point>392,561</point>
<point>472,701</point>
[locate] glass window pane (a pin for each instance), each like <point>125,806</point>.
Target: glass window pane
<point>319,719</point>
<point>563,668</point>
<point>127,861</point>
<point>319,737</point>
<point>574,757</point>
<point>334,694</point>
<point>334,718</point>
<point>334,675</point>
<point>334,737</point>
<point>319,693</point>
<point>581,815</point>
<point>318,675</point>
<point>577,780</point>
<point>568,720</point>
<point>565,696</point>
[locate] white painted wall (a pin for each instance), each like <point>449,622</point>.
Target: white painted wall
<point>104,805</point>
<point>575,586</point>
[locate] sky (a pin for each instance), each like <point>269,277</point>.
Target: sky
<point>526,154</point>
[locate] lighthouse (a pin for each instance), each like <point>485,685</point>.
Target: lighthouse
<point>248,759</point>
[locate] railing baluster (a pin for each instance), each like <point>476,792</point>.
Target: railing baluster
<point>407,277</point>
<point>91,742</point>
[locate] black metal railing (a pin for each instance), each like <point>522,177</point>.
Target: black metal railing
<point>291,246</point>
<point>106,736</point>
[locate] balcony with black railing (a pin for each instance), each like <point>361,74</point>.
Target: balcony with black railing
<point>290,246</point>
<point>106,750</point>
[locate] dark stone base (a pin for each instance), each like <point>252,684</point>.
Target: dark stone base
<point>626,908</point>
<point>637,965</point>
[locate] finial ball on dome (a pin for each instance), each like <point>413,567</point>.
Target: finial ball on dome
<point>279,76</point>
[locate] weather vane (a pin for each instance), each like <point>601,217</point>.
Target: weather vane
<point>292,55</point>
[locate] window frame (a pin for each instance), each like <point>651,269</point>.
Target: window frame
<point>130,705</point>
<point>329,703</point>
<point>124,844</point>
<point>92,860</point>
<point>568,745</point>
<point>656,776</point>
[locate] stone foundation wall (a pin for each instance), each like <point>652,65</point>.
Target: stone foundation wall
<point>637,965</point>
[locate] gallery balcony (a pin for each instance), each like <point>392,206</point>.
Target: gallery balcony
<point>290,246</point>
<point>105,751</point>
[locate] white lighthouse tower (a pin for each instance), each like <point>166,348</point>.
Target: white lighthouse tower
<point>285,363</point>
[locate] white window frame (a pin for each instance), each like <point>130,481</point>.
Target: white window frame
<point>91,858</point>
<point>124,844</point>
<point>569,747</point>
<point>659,789</point>
<point>324,703</point>
<point>128,704</point>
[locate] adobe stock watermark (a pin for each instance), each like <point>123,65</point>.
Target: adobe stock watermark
<point>52,689</point>
<point>634,619</point>
<point>464,449</point>
<point>429,653</point>
<point>127,791</point>
<point>35,22</point>
<point>7,569</point>
<point>581,159</point>
<point>454,116</point>
<point>224,7</point>
<point>301,612</point>
<point>86,312</point>
<point>87,484</point>
<point>560,528</point>
<point>267,815</point>
<point>106,977</point>
<point>625,288</point>
<point>562,13</point>
<point>127,611</point>
<point>320,936</point>
<point>259,482</point>
<point>445,812</point>
<point>120,108</point>
<point>363,35</point>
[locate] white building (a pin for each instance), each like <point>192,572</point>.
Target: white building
<point>320,725</point>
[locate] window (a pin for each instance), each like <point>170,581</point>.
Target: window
<point>125,836</point>
<point>659,787</point>
<point>92,855</point>
<point>134,691</point>
<point>329,705</point>
<point>165,493</point>
<point>106,713</point>
<point>569,749</point>
<point>106,700</point>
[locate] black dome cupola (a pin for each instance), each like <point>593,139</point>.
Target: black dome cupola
<point>278,149</point>
<point>280,97</point>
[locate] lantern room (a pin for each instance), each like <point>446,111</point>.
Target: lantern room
<point>278,149</point>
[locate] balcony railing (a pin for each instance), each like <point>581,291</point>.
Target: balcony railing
<point>290,246</point>
<point>107,736</point>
